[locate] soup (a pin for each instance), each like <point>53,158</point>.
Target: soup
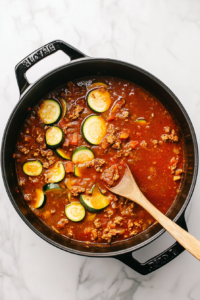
<point>77,141</point>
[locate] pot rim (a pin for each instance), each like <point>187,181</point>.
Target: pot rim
<point>193,135</point>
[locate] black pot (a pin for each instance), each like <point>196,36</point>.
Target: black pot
<point>82,66</point>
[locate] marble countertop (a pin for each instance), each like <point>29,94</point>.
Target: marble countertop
<point>161,36</point>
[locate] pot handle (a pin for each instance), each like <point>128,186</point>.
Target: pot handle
<point>50,48</point>
<point>157,261</point>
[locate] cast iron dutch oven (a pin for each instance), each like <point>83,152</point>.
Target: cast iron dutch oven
<point>82,66</point>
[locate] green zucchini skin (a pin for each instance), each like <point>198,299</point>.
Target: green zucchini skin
<point>77,209</point>
<point>41,202</point>
<point>105,105</point>
<point>81,150</point>
<point>84,129</point>
<point>29,172</point>
<point>59,177</point>
<point>51,187</point>
<point>54,145</point>
<point>76,171</point>
<point>56,119</point>
<point>140,121</point>
<point>64,107</point>
<point>62,154</point>
<point>89,207</point>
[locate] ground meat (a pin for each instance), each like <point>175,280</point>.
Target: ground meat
<point>134,232</point>
<point>109,233</point>
<point>178,171</point>
<point>46,153</point>
<point>46,165</point>
<point>27,138</point>
<point>173,164</point>
<point>97,223</point>
<point>124,152</point>
<point>130,224</point>
<point>76,190</point>
<point>97,163</point>
<point>33,179</point>
<point>166,129</point>
<point>39,139</point>
<point>88,191</point>
<point>118,220</point>
<point>94,234</point>
<point>111,129</point>
<point>117,144</point>
<point>62,223</point>
<point>28,197</point>
<point>124,113</point>
<point>170,137</point>
<point>70,233</point>
<point>143,144</point>
<point>109,213</point>
<point>111,138</point>
<point>51,160</point>
<point>76,112</point>
<point>110,175</point>
<point>36,153</point>
<point>22,181</point>
<point>155,142</point>
<point>24,150</point>
<point>137,224</point>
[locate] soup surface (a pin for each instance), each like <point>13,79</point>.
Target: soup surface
<point>77,141</point>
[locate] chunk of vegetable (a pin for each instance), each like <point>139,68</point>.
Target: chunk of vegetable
<point>32,168</point>
<point>82,154</point>
<point>75,212</point>
<point>50,112</point>
<point>96,202</point>
<point>94,129</point>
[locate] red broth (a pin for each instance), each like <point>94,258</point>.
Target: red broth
<point>151,150</point>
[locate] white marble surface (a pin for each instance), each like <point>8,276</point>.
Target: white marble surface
<point>160,36</point>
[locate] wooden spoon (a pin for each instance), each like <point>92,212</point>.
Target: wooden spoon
<point>128,188</point>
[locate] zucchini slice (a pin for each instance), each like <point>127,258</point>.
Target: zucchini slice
<point>54,137</point>
<point>77,171</point>
<point>64,107</point>
<point>99,100</point>
<point>141,121</point>
<point>57,173</point>
<point>96,202</point>
<point>40,198</point>
<point>82,154</point>
<point>50,112</point>
<point>32,168</point>
<point>75,212</point>
<point>60,152</point>
<point>51,187</point>
<point>94,129</point>
<point>96,85</point>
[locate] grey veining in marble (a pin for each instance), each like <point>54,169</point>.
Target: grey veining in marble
<point>161,36</point>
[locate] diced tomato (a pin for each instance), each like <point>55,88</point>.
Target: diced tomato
<point>111,117</point>
<point>62,124</point>
<point>133,144</point>
<point>123,135</point>
<point>69,167</point>
<point>66,143</point>
<point>73,139</point>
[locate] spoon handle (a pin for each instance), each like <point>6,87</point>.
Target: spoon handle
<point>188,241</point>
